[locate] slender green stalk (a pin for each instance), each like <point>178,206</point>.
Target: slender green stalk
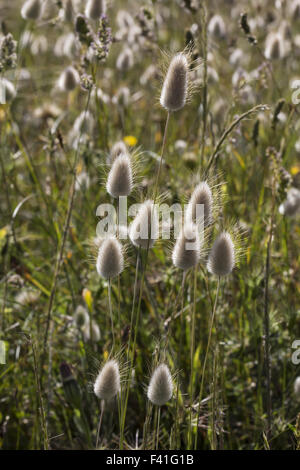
<point>100,423</point>
<point>157,428</point>
<point>205,359</point>
<point>192,360</point>
<point>111,312</point>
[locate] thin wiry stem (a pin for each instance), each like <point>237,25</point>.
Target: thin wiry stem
<point>111,312</point>
<point>205,359</point>
<point>192,357</point>
<point>157,428</point>
<point>100,423</point>
<point>215,154</point>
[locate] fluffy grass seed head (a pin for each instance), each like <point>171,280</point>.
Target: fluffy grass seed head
<point>107,384</point>
<point>144,229</point>
<point>8,89</point>
<point>201,196</point>
<point>69,79</point>
<point>275,46</point>
<point>95,8</point>
<point>175,86</point>
<point>291,206</point>
<point>31,10</point>
<point>186,252</point>
<point>81,317</point>
<point>120,180</point>
<point>216,27</point>
<point>297,387</point>
<point>91,333</point>
<point>160,388</point>
<point>221,259</point>
<point>110,260</point>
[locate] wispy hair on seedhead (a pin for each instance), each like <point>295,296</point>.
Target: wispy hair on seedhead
<point>144,229</point>
<point>110,260</point>
<point>160,389</point>
<point>107,384</point>
<point>120,178</point>
<point>177,86</point>
<point>32,9</point>
<point>186,252</point>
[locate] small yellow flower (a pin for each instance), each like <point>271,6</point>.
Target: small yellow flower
<point>130,140</point>
<point>87,295</point>
<point>295,169</point>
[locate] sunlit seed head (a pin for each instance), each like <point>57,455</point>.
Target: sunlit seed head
<point>81,317</point>
<point>216,27</point>
<point>200,205</point>
<point>118,148</point>
<point>221,260</point>
<point>175,87</point>
<point>31,10</point>
<point>119,181</point>
<point>110,260</point>
<point>8,90</point>
<point>68,12</point>
<point>295,9</point>
<point>125,60</point>
<point>95,330</point>
<point>107,384</point>
<point>297,387</point>
<point>69,79</point>
<point>95,8</point>
<point>144,229</point>
<point>275,46</point>
<point>84,123</point>
<point>186,252</point>
<point>160,388</point>
<point>291,206</point>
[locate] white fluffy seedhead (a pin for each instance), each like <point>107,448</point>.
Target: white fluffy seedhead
<point>160,388</point>
<point>32,10</point>
<point>118,148</point>
<point>110,260</point>
<point>125,60</point>
<point>291,206</point>
<point>221,260</point>
<point>120,181</point>
<point>186,252</point>
<point>8,89</point>
<point>216,27</point>
<point>202,196</point>
<point>175,87</point>
<point>144,229</point>
<point>275,46</point>
<point>95,8</point>
<point>69,79</point>
<point>295,9</point>
<point>107,384</point>
<point>297,387</point>
<point>91,334</point>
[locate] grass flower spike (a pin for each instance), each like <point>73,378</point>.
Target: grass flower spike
<point>160,388</point>
<point>107,384</point>
<point>110,261</point>
<point>175,87</point>
<point>221,259</point>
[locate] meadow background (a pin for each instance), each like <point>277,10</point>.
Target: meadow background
<point>51,185</point>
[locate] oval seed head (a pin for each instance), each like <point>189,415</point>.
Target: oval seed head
<point>291,206</point>
<point>202,196</point>
<point>31,10</point>
<point>221,259</point>
<point>95,8</point>
<point>160,388</point>
<point>174,91</point>
<point>110,261</point>
<point>69,79</point>
<point>297,387</point>
<point>96,335</point>
<point>8,90</point>
<point>81,317</point>
<point>119,181</point>
<point>186,252</point>
<point>117,149</point>
<point>68,12</point>
<point>125,60</point>
<point>216,27</point>
<point>107,383</point>
<point>275,46</point>
<point>144,229</point>
<point>295,10</point>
